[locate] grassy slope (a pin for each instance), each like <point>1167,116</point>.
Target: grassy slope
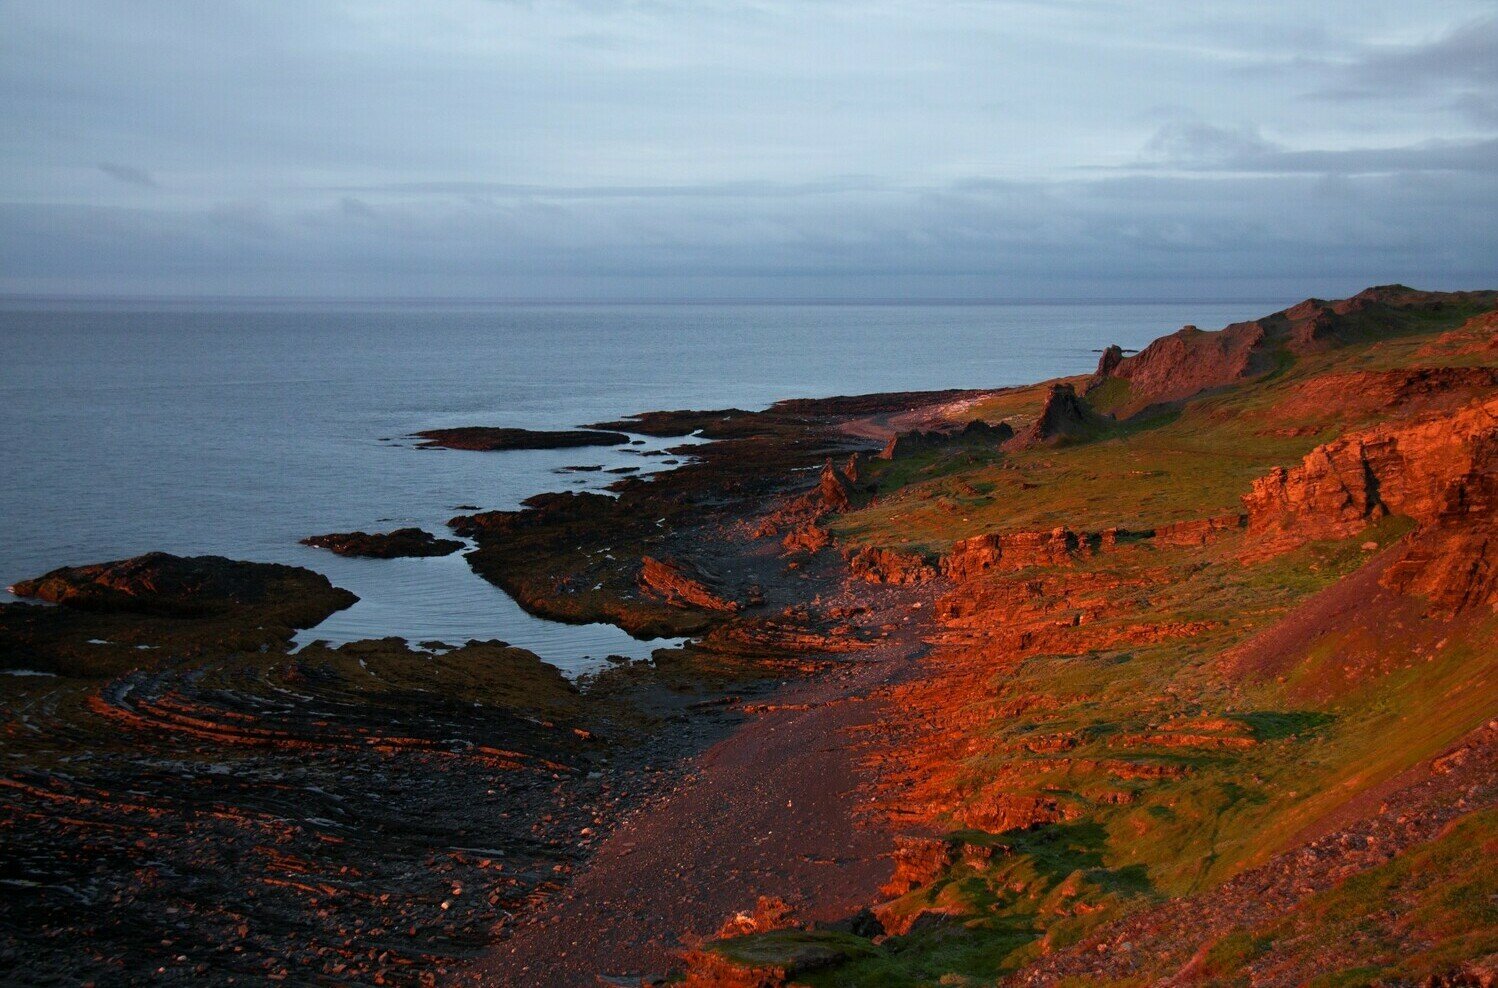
<point>1366,700</point>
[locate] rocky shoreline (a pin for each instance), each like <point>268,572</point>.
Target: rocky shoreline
<point>982,684</point>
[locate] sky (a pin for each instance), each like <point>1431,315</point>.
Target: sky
<point>771,149</point>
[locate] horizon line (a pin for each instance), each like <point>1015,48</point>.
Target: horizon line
<point>8,298</point>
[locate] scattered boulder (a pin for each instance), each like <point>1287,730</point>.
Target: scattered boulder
<point>810,537</point>
<point>402,542</point>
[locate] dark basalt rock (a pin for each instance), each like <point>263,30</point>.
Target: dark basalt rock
<point>160,583</point>
<point>491,439</point>
<point>403,542</point>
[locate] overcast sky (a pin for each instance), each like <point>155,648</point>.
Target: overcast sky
<point>747,148</point>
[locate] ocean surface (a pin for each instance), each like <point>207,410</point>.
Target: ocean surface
<point>239,428</point>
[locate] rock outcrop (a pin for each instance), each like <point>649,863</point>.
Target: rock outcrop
<point>874,565</point>
<point>976,433</point>
<point>188,586</point>
<point>402,542</point>
<point>1199,531</point>
<point>680,585</point>
<point>1002,553</point>
<point>833,491</point>
<point>1440,471</point>
<point>1112,356</point>
<point>1066,417</point>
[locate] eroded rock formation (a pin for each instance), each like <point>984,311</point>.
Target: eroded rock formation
<point>1066,417</point>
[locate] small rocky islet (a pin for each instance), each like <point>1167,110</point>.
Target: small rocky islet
<point>401,543</point>
<point>1177,670</point>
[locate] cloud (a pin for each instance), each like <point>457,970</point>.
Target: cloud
<point>1194,146</point>
<point>137,177</point>
<point>1197,144</point>
<point>1458,67</point>
<point>1129,235</point>
<point>654,147</point>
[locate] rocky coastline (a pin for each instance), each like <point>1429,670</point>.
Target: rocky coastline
<point>981,685</point>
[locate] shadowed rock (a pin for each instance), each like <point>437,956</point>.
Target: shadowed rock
<point>160,583</point>
<point>1065,417</point>
<point>385,545</point>
<point>975,434</point>
<point>488,439</point>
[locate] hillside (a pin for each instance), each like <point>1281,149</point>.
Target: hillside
<point>1210,690</point>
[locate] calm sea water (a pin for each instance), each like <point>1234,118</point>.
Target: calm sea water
<point>239,429</point>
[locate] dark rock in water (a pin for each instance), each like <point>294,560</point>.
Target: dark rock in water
<point>490,439</point>
<point>198,586</point>
<point>1065,418</point>
<point>387,545</point>
<point>675,423</point>
<point>625,470</point>
<point>160,583</point>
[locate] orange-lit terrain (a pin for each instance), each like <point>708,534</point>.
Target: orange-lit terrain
<point>1181,671</point>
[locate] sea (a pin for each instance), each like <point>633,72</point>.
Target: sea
<point>238,427</point>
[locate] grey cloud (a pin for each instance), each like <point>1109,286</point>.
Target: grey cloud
<point>745,189</point>
<point>1458,67</point>
<point>1200,147</point>
<point>1137,235</point>
<point>732,147</point>
<point>1195,143</point>
<point>138,177</point>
